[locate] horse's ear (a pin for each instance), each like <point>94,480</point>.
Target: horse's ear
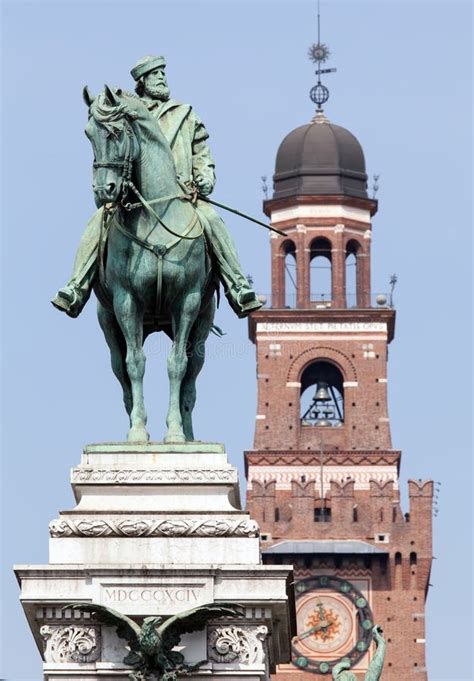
<point>87,97</point>
<point>110,96</point>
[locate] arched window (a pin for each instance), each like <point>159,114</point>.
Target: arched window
<point>320,261</point>
<point>412,559</point>
<point>322,395</point>
<point>398,558</point>
<point>289,276</point>
<point>352,249</point>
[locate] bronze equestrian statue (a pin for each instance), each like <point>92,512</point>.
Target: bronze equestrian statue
<point>153,252</point>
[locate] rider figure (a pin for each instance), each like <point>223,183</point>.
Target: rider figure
<point>187,137</point>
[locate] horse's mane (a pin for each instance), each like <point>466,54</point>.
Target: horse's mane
<point>112,115</point>
<point>116,109</point>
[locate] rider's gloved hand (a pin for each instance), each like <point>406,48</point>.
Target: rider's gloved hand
<point>204,186</point>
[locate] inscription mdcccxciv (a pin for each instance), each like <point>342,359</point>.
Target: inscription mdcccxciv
<point>163,595</point>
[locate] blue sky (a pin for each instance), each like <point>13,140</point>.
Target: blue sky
<point>403,87</point>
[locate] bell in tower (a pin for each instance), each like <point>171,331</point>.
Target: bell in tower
<point>324,383</point>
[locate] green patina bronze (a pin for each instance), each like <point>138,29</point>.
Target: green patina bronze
<point>154,252</point>
<point>151,646</point>
<point>341,671</point>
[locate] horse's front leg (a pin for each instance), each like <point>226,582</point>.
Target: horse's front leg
<point>183,319</point>
<point>196,356</point>
<point>130,318</point>
<point>116,342</point>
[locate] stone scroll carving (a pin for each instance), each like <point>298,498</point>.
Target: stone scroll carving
<point>233,644</point>
<point>133,527</point>
<point>108,475</point>
<point>71,644</point>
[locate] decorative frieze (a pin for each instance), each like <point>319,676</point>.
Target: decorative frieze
<point>233,644</point>
<point>73,643</point>
<point>150,475</point>
<point>307,459</point>
<point>361,475</point>
<point>147,527</point>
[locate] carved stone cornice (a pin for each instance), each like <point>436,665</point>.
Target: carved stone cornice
<point>92,475</point>
<point>149,527</point>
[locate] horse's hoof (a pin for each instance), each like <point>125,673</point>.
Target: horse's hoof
<point>138,435</point>
<point>174,438</point>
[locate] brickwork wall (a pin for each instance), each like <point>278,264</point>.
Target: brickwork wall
<point>361,357</point>
<point>359,470</point>
<point>399,582</point>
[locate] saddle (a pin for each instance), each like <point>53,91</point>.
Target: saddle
<point>155,319</point>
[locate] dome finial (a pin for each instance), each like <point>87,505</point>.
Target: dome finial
<point>319,93</point>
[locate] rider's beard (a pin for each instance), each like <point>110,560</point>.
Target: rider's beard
<point>161,92</point>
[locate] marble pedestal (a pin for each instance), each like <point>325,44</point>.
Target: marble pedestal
<point>157,529</point>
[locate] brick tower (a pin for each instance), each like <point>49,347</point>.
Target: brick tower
<point>323,476</point>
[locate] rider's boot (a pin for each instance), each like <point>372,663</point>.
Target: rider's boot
<point>72,298</point>
<point>67,300</point>
<point>243,300</point>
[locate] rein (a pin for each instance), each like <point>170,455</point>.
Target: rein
<point>147,205</point>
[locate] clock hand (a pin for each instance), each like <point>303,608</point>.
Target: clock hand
<point>322,612</point>
<point>322,625</point>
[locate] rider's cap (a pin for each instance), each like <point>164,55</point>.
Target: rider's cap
<point>145,65</point>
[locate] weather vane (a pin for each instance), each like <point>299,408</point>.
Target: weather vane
<point>319,54</point>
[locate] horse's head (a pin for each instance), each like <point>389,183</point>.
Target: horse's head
<point>114,143</point>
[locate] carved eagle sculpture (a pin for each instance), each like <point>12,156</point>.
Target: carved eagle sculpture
<point>151,645</point>
<point>341,671</point>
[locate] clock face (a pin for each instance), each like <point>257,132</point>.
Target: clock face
<point>334,623</point>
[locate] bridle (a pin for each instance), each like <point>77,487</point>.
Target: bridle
<point>127,162</point>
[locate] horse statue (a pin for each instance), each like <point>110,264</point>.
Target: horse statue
<point>155,273</point>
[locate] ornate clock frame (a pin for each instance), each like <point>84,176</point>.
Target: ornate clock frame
<point>363,617</point>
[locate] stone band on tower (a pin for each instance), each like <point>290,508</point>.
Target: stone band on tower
<point>323,478</point>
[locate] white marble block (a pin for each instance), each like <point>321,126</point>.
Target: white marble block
<point>157,529</point>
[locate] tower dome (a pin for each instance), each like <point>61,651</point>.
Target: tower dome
<point>320,159</point>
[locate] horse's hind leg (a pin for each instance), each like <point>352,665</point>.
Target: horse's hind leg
<point>196,356</point>
<point>116,342</point>
<point>183,318</point>
<point>130,319</point>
